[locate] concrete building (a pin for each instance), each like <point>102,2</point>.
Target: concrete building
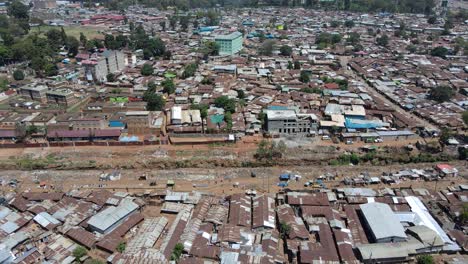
<point>229,44</point>
<point>63,97</point>
<point>34,92</point>
<point>383,224</point>
<point>110,61</point>
<point>286,122</point>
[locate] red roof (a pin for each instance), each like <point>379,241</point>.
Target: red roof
<point>332,86</point>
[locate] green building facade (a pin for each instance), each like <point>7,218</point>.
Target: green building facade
<point>229,44</point>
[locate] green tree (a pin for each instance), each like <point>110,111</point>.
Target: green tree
<point>154,102</point>
<point>334,24</point>
<point>286,50</point>
<point>304,77</point>
<point>229,105</point>
<point>285,229</point>
<point>240,94</point>
<point>212,18</point>
<point>290,65</point>
<point>349,23</point>
<point>425,259</point>
<point>210,48</point>
<point>83,39</point>
<point>441,94</point>
<point>297,65</point>
<point>72,45</point>
<point>411,48</point>
<point>147,70</point>
<point>382,40</point>
<point>18,75</point>
<point>432,20</point>
<point>79,252</point>
<point>177,252</point>
<point>168,86</point>
<point>353,38</point>
<point>121,247</point>
<point>267,48</point>
<point>189,70</point>
<point>203,109</point>
<point>18,10</point>
<point>228,120</point>
<point>50,69</point>
<point>439,52</point>
<point>184,23</point>
<point>110,77</point>
<point>465,117</point>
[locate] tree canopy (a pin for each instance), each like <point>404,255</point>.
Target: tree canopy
<point>441,94</point>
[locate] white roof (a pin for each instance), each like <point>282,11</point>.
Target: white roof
<point>111,215</point>
<point>176,112</point>
<point>280,114</point>
<point>44,219</point>
<point>382,221</point>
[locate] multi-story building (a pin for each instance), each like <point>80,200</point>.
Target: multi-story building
<point>110,61</point>
<point>229,44</point>
<point>63,97</point>
<point>287,122</point>
<point>34,92</point>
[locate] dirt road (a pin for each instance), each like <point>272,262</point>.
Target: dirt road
<point>374,93</point>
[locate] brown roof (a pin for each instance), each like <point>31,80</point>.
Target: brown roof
<point>240,210</point>
<point>82,236</point>
<point>319,199</point>
<point>41,196</point>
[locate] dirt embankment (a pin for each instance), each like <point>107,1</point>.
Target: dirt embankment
<point>217,156</point>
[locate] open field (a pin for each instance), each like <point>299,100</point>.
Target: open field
<point>89,31</point>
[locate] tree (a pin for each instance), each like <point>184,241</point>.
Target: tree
<point>304,77</point>
<point>439,52</point>
<point>18,10</point>
<point>72,45</point>
<point>83,39</point>
<point>441,94</point>
<point>382,40</point>
<point>465,117</point>
<point>228,120</point>
<point>297,65</point>
<point>240,94</point>
<point>50,69</point>
<point>189,70</point>
<point>18,75</point>
<point>349,23</point>
<point>334,24</point>
<point>79,252</point>
<point>411,48</point>
<point>203,109</point>
<point>121,247</point>
<point>432,20</point>
<point>229,105</point>
<point>210,48</point>
<point>110,77</point>
<point>212,18</point>
<point>184,22</point>
<point>285,229</point>
<point>285,50</point>
<point>177,252</point>
<point>168,86</point>
<point>290,65</point>
<point>267,48</point>
<point>353,38</point>
<point>154,102</point>
<point>147,70</point>
<point>425,259</point>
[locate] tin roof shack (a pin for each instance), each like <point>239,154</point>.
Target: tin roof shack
<point>446,170</point>
<point>382,223</point>
<point>263,213</point>
<point>323,250</point>
<point>240,210</point>
<point>286,216</point>
<point>145,122</point>
<point>109,218</point>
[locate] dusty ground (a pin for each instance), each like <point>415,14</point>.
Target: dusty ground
<point>219,180</point>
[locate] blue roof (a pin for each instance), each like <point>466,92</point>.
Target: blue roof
<point>277,107</point>
<point>363,124</point>
<point>285,176</point>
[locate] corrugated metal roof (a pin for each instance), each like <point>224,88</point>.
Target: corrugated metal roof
<point>382,221</point>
